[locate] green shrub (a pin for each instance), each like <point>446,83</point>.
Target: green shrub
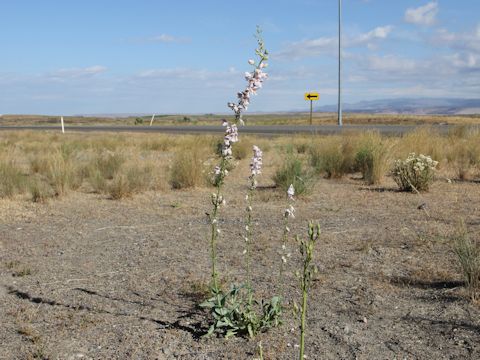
<point>416,173</point>
<point>293,172</point>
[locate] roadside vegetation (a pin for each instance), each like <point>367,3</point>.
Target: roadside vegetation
<point>39,166</point>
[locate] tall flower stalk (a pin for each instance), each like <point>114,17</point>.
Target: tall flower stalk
<point>254,79</point>
<point>255,170</point>
<point>288,213</point>
<point>306,250</point>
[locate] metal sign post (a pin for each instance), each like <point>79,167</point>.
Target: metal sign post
<point>63,127</point>
<point>340,120</point>
<point>311,96</point>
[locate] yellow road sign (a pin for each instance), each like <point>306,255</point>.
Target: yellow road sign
<point>312,96</point>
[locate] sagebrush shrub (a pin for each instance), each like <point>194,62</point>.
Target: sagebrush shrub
<point>416,173</point>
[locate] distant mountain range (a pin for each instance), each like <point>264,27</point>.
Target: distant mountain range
<point>419,106</point>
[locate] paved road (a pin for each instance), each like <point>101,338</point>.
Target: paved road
<point>257,129</point>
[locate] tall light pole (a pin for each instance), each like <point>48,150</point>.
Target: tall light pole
<point>340,120</point>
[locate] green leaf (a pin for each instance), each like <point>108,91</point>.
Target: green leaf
<point>210,331</point>
<point>207,304</point>
<point>221,311</point>
<point>230,333</point>
<point>250,331</point>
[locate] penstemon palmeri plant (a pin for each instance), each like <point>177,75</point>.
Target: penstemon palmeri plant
<point>254,83</point>
<point>229,311</point>
<point>309,270</point>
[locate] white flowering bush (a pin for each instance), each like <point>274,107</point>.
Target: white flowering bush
<point>416,173</point>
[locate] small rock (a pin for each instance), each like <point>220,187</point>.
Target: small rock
<point>422,206</point>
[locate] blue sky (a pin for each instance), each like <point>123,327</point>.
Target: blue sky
<point>146,56</point>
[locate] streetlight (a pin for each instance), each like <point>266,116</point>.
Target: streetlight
<point>340,122</point>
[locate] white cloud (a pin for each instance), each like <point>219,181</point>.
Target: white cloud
<point>69,73</point>
<point>173,73</point>
<point>466,61</point>
<point>423,15</point>
<point>165,38</point>
<point>466,46</point>
<point>469,41</point>
<point>391,63</point>
<point>328,45</point>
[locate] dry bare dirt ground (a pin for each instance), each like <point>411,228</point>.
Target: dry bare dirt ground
<point>84,277</point>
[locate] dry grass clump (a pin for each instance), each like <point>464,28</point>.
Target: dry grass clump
<point>39,191</point>
<point>333,155</point>
<point>372,157</point>
<point>242,149</point>
<point>108,163</point>
<point>464,154</point>
<point>97,181</point>
<point>120,187</point>
<point>424,140</point>
<point>468,255</point>
<point>62,175</point>
<point>133,180</point>
<point>163,143</point>
<point>12,180</point>
<point>187,170</point>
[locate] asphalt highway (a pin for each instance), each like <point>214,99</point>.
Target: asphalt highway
<point>270,130</point>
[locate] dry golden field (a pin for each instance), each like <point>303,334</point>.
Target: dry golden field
<point>254,119</point>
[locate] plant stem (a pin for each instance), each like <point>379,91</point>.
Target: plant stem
<point>304,311</point>
<point>214,227</point>
<point>213,246</point>
<point>247,244</point>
